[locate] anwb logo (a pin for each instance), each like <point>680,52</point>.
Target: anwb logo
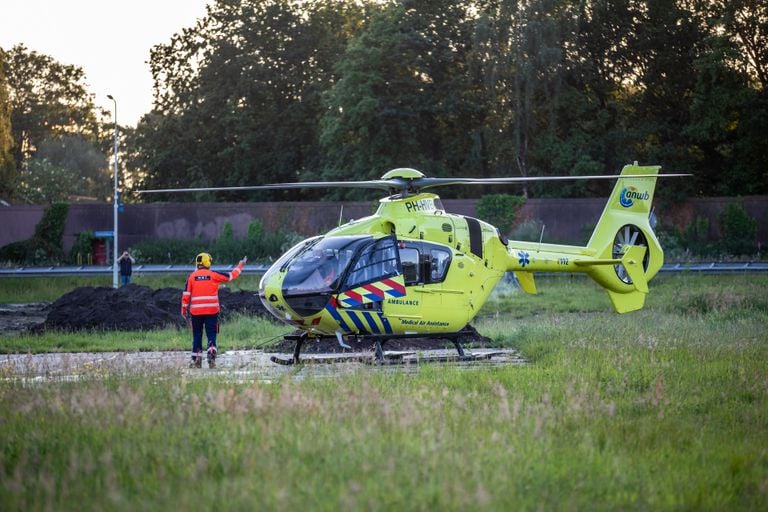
<point>629,194</point>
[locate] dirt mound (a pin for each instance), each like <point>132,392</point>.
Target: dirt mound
<point>134,308</point>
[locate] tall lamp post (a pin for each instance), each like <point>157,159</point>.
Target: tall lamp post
<point>114,203</point>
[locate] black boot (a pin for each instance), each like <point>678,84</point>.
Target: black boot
<point>211,356</point>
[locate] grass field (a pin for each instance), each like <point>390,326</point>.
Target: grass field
<point>663,409</point>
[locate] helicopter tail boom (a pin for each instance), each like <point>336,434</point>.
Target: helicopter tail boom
<point>623,253</point>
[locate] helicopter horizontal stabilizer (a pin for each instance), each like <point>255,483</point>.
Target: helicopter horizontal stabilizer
<point>632,261</point>
<point>627,299</point>
<point>633,264</point>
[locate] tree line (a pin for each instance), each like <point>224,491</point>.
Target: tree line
<point>263,91</point>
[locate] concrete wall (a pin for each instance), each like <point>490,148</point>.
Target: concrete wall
<point>18,222</point>
<point>565,219</point>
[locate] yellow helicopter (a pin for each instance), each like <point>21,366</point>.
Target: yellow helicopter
<point>414,270</point>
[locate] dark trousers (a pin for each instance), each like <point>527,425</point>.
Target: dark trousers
<point>211,325</point>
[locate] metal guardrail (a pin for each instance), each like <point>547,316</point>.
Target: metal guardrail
<point>716,267</point>
<point>86,270</point>
<point>93,270</point>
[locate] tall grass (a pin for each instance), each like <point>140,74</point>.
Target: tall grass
<point>664,409</point>
<point>647,426</point>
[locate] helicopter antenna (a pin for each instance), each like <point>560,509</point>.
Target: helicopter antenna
<point>341,212</point>
<point>541,237</point>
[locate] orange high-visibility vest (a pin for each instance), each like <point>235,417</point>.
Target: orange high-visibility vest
<point>201,296</point>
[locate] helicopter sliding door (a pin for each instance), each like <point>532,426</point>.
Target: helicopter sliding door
<point>425,267</point>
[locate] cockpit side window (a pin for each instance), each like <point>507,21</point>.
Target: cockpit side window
<point>376,262</point>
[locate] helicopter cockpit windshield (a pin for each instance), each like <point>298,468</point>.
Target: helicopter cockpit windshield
<point>319,267</point>
<point>324,266</point>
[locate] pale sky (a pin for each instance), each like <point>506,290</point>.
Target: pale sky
<point>109,40</point>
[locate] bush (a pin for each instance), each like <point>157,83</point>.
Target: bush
<point>45,246</point>
<point>257,245</point>
<point>682,244</point>
<point>500,210</point>
<point>82,249</point>
<point>528,231</point>
<point>15,252</point>
<point>739,231</point>
<point>172,251</point>
<point>672,243</point>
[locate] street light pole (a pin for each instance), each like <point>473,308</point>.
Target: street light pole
<point>114,203</point>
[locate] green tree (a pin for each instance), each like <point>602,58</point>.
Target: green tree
<point>47,99</point>
<point>544,74</point>
<point>7,169</point>
<point>237,97</point>
<point>80,157</point>
<point>589,132</point>
<point>745,24</point>
<point>270,90</point>
<point>43,182</point>
<point>404,97</point>
<point>728,103</point>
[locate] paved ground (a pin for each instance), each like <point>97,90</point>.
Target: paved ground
<point>236,365</point>
<point>94,306</point>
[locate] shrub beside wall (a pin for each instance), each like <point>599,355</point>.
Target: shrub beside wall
<point>257,245</point>
<point>739,231</point>
<point>45,246</point>
<point>500,210</point>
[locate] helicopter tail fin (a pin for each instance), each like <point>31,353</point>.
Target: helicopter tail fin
<point>625,249</point>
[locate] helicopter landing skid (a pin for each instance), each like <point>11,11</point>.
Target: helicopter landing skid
<point>382,357</point>
<point>357,357</point>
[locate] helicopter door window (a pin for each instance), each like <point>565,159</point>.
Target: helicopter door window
<point>424,263</point>
<point>409,258</point>
<point>440,259</point>
<point>376,262</point>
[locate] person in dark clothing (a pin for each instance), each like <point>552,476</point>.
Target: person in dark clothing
<point>126,262</point>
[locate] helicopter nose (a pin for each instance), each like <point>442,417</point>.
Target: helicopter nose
<point>271,295</point>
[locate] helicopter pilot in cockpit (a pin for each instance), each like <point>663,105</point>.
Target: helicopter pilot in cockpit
<point>322,272</point>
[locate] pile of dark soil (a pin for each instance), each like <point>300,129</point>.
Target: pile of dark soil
<point>134,308</point>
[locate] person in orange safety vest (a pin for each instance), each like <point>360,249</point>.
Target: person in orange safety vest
<point>200,304</point>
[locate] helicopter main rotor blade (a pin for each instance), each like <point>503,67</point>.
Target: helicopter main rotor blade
<point>372,184</point>
<point>408,184</point>
<point>423,183</point>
